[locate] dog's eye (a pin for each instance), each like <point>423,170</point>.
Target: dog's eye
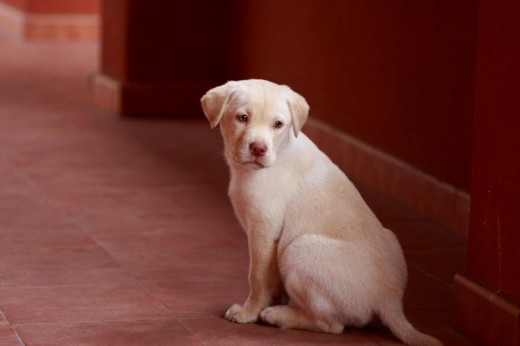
<point>278,124</point>
<point>242,118</point>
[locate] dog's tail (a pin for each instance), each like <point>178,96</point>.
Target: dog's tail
<point>392,315</point>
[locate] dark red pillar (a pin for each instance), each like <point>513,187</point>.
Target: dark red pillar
<point>487,297</point>
<point>159,57</point>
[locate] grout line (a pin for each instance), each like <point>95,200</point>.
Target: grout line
<point>33,186</point>
<point>3,315</point>
<point>170,313</point>
<point>12,327</point>
<point>92,321</point>
<point>201,318</point>
<point>190,331</point>
<point>17,335</point>
<point>122,284</point>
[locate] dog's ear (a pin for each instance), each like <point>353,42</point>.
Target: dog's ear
<point>214,102</point>
<point>299,110</point>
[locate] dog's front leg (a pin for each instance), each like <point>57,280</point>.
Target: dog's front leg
<point>264,279</point>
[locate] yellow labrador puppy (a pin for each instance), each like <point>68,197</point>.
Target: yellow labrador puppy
<point>310,233</point>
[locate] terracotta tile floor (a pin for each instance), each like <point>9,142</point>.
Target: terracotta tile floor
<point>119,232</point>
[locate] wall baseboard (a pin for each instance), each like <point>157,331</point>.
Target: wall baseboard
<point>20,25</point>
<point>439,201</point>
<point>483,315</point>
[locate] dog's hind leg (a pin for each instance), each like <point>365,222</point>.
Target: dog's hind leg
<point>287,316</point>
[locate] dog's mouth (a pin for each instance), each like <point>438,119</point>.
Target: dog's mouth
<point>254,164</point>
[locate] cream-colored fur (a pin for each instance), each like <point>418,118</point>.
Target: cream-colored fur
<point>311,236</point>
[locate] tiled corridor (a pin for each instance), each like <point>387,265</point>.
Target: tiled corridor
<point>119,232</point>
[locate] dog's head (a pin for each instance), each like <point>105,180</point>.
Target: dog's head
<point>255,117</point>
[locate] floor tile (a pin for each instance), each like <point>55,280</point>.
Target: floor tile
<point>45,238</point>
<point>451,337</point>
<point>11,182</point>
<point>428,319</point>
<point>79,304</point>
<point>425,291</point>
<point>9,337</point>
<point>148,228</point>
<point>447,336</point>
<point>198,299</point>
<point>147,173</point>
<point>28,209</point>
<point>77,267</point>
<point>70,152</point>
<point>2,318</point>
<point>217,331</point>
<point>382,336</point>
<point>186,264</point>
<point>162,332</point>
<point>181,201</point>
<point>165,234</point>
<point>112,227</point>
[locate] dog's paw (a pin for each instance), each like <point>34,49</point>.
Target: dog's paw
<point>269,316</point>
<point>238,314</point>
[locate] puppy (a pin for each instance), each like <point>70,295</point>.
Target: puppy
<point>310,233</point>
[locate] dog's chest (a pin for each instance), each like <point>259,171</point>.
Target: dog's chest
<point>257,198</point>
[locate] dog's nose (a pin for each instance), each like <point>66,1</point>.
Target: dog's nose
<point>258,149</point>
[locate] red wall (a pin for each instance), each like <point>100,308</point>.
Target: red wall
<point>494,238</point>
<point>396,74</point>
<point>56,6</point>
